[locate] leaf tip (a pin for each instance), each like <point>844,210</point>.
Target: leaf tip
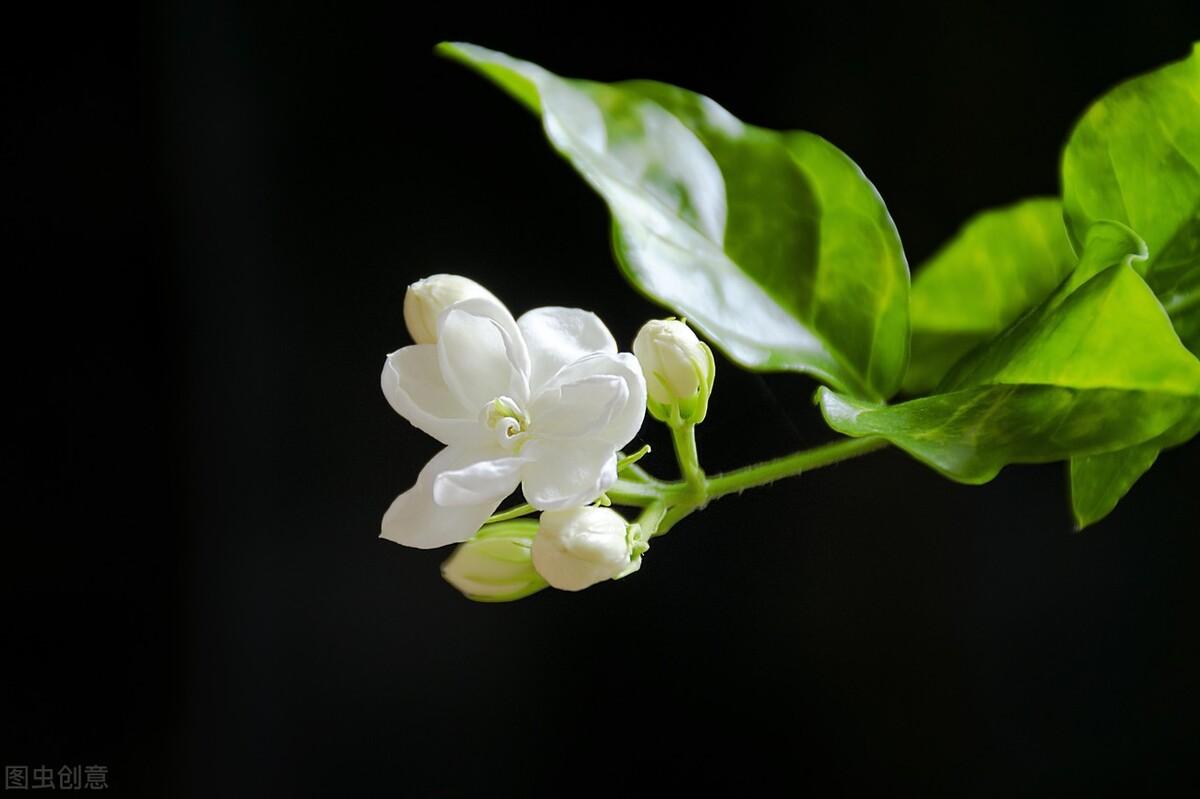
<point>511,75</point>
<point>1087,518</point>
<point>451,50</point>
<point>1086,514</point>
<point>840,413</point>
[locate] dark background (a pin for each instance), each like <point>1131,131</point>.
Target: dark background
<point>218,208</point>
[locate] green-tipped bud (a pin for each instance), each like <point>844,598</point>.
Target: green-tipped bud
<point>679,371</point>
<point>427,298</point>
<point>496,565</point>
<point>579,547</point>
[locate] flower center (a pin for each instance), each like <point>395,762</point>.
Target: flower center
<point>505,417</point>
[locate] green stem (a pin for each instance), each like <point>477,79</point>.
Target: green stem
<point>635,474</point>
<point>642,494</point>
<point>692,493</point>
<point>512,513</point>
<point>687,498</point>
<point>674,515</point>
<point>666,503</point>
<point>790,465</point>
<point>684,439</point>
<point>651,517</point>
<point>627,461</point>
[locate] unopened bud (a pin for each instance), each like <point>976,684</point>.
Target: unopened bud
<point>679,371</point>
<point>496,565</point>
<point>579,547</point>
<point>426,299</point>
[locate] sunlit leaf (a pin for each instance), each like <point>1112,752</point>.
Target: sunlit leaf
<point>1099,482</point>
<point>999,265</point>
<point>1095,371</point>
<point>1134,157</point>
<point>775,246</point>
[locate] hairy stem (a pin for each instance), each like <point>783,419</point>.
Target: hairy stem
<point>666,503</point>
<point>641,494</point>
<point>790,465</point>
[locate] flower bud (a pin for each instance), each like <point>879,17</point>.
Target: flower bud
<point>426,299</point>
<point>679,371</point>
<point>496,565</point>
<point>579,547</point>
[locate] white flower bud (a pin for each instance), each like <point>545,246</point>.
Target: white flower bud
<point>426,299</point>
<point>679,371</point>
<point>496,565</point>
<point>579,547</point>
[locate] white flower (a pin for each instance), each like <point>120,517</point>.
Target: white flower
<point>495,565</point>
<point>544,402</point>
<point>580,547</point>
<point>679,370</point>
<point>427,298</point>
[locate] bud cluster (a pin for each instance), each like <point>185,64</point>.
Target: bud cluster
<point>568,549</point>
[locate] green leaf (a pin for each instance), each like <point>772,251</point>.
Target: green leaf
<point>775,246</point>
<point>1092,372</point>
<point>1098,482</point>
<point>999,265</point>
<point>1107,244</point>
<point>1134,157</point>
<point>970,435</point>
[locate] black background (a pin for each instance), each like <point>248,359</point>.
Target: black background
<point>218,209</point>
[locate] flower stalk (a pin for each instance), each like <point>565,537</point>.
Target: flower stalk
<point>681,498</point>
<point>546,402</point>
<point>684,439</point>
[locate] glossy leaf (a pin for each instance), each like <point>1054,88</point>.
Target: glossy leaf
<point>1099,482</point>
<point>1108,244</point>
<point>999,265</point>
<point>1092,372</point>
<point>970,435</point>
<point>775,246</point>
<point>1134,157</point>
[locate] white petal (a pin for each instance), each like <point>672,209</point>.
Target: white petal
<point>559,336</point>
<point>478,482</point>
<point>563,474</point>
<point>491,308</point>
<point>583,408</point>
<point>482,353</point>
<point>416,520</point>
<point>579,547</point>
<point>427,298</point>
<point>412,382</point>
<point>627,418</point>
